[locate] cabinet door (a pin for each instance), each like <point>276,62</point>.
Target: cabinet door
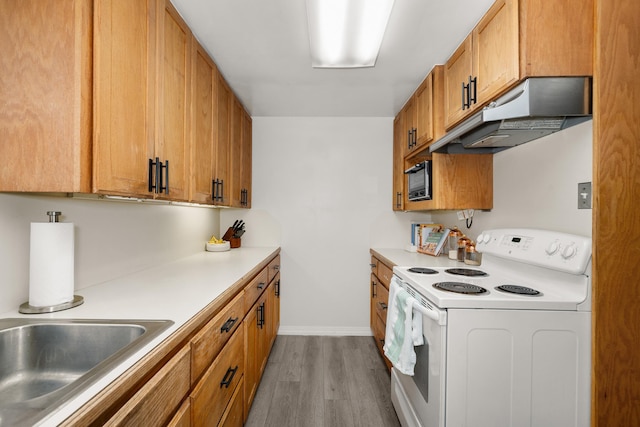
<point>495,50</point>
<point>246,160</point>
<point>399,141</point>
<point>235,153</point>
<point>203,113</point>
<point>251,372</point>
<point>410,123</point>
<point>45,95</point>
<point>221,154</point>
<point>174,104</point>
<point>457,71</point>
<point>124,95</point>
<point>424,111</point>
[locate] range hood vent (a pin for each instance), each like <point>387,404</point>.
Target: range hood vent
<point>535,108</point>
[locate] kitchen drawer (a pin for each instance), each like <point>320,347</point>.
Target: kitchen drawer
<point>157,400</point>
<point>384,274</point>
<point>182,418</point>
<point>273,268</point>
<point>234,414</point>
<point>374,265</point>
<point>382,300</point>
<point>206,345</point>
<point>255,288</point>
<point>216,388</point>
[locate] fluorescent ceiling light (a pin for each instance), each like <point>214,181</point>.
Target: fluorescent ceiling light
<point>346,33</point>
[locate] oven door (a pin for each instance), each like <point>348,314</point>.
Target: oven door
<point>419,399</point>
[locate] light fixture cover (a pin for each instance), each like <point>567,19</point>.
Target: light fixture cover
<point>346,33</point>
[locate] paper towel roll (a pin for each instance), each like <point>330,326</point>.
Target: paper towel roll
<point>51,264</point>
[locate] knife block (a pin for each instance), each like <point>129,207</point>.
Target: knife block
<point>234,242</point>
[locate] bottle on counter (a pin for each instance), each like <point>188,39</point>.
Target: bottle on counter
<point>454,235</point>
<point>471,256</point>
<point>462,247</point>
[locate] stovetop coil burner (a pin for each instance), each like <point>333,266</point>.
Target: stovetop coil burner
<point>519,290</point>
<point>422,270</point>
<point>460,288</point>
<point>469,272</point>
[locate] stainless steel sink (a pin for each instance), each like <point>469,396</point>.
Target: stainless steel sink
<point>44,363</point>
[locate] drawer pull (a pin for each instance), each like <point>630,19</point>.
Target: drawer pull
<point>276,267</point>
<point>383,306</point>
<point>372,265</point>
<point>228,325</point>
<point>261,285</point>
<point>228,377</point>
<point>277,290</point>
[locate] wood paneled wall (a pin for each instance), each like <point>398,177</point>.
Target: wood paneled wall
<point>616,220</point>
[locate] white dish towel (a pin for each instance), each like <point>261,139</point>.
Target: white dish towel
<point>403,330</point>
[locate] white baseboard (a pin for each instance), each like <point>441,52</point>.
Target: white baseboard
<point>325,331</point>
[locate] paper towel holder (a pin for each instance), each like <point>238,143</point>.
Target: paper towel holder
<point>27,308</point>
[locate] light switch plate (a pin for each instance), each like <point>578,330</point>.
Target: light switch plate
<point>584,195</point>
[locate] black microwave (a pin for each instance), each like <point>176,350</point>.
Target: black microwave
<point>419,181</point>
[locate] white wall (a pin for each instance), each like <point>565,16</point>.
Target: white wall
<point>536,185</point>
<point>322,191</point>
<point>111,238</point>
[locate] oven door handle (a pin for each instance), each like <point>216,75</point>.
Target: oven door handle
<point>431,314</point>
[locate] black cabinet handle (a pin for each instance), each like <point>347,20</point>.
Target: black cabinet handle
<point>261,316</point>
<point>228,377</point>
<point>383,306</point>
<point>152,186</point>
<point>464,97</point>
<point>472,82</point>
<point>373,289</point>
<point>398,199</point>
<point>228,325</point>
<point>261,285</point>
<point>277,289</point>
<point>162,185</point>
<point>372,265</point>
<point>276,267</point>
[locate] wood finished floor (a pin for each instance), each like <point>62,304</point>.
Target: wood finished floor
<point>323,382</point>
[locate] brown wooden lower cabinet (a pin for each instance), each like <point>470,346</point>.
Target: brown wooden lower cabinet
<point>212,376</point>
<point>214,391</point>
<point>156,402</point>
<point>379,300</point>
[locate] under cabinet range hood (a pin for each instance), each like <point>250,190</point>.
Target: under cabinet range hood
<point>535,108</point>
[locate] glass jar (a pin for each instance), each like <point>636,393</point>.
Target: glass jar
<point>462,246</point>
<point>454,235</point>
<point>471,256</point>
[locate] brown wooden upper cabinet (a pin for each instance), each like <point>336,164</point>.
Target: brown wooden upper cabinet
<point>112,97</point>
<point>514,40</point>
<point>399,144</point>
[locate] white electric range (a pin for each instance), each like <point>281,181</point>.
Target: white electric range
<point>507,342</point>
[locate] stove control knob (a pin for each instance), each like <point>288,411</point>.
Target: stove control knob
<point>552,248</point>
<point>569,251</point>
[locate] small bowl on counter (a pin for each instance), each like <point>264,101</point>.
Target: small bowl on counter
<point>218,247</point>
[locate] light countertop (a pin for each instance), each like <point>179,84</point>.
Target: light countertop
<point>403,258</point>
<point>175,291</point>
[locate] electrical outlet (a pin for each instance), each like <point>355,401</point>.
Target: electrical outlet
<point>584,195</point>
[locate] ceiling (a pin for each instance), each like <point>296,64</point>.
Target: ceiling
<point>262,49</point>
